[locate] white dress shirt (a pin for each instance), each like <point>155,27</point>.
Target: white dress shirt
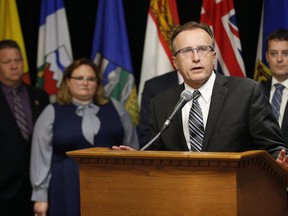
<point>204,101</point>
<point>284,98</point>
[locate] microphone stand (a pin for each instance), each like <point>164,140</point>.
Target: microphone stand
<point>165,125</point>
<point>151,141</point>
<point>185,97</point>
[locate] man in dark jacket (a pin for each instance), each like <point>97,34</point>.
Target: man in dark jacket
<point>16,126</point>
<point>225,114</point>
<point>277,58</point>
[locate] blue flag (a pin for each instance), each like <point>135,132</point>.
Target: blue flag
<point>274,16</point>
<point>111,53</point>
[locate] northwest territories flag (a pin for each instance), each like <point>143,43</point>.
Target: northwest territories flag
<point>10,28</point>
<point>111,53</point>
<point>221,16</point>
<point>274,16</point>
<point>54,47</point>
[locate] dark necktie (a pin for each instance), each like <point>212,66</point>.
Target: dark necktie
<point>196,128</point>
<point>20,115</point>
<point>276,100</point>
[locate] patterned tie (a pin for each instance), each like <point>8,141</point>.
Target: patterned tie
<point>196,127</point>
<point>276,100</point>
<point>20,115</point>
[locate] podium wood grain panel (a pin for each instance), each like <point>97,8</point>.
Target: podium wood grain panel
<point>180,183</point>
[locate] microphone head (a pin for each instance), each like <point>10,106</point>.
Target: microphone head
<point>186,95</point>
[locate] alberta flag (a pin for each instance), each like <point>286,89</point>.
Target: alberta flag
<point>54,47</point>
<point>274,16</point>
<point>111,53</point>
<point>10,28</point>
<point>221,16</point>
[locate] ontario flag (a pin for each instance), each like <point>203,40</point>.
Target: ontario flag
<point>162,20</point>
<point>111,53</point>
<point>221,17</point>
<point>10,28</point>
<point>54,47</point>
<point>274,16</point>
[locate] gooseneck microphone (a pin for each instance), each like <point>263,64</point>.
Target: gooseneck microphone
<point>184,98</point>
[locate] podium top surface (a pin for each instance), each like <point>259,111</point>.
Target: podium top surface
<point>109,153</point>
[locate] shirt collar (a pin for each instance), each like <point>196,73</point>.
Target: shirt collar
<point>274,81</point>
<point>206,89</point>
<point>7,89</point>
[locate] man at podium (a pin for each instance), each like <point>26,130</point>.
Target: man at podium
<point>214,113</point>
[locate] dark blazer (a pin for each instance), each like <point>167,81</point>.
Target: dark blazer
<point>240,118</point>
<point>14,149</point>
<point>152,88</point>
<point>284,126</point>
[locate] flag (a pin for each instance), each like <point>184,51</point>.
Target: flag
<point>274,16</point>
<point>221,17</point>
<point>262,72</point>
<point>162,20</point>
<point>54,47</point>
<point>10,28</point>
<point>111,53</point>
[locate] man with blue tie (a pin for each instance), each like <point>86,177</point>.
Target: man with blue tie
<point>276,89</point>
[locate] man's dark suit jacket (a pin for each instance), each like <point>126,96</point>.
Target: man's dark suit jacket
<point>284,126</point>
<point>240,118</point>
<point>152,88</point>
<point>14,149</point>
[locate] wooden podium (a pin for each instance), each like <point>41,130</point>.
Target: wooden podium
<point>151,183</point>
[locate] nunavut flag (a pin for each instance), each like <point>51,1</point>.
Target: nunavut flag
<point>111,53</point>
<point>274,16</point>
<point>221,16</point>
<point>162,20</point>
<point>54,47</point>
<point>10,28</point>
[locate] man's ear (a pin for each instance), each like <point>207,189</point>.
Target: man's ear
<point>174,62</point>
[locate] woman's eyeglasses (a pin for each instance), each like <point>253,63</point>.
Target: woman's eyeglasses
<point>81,78</point>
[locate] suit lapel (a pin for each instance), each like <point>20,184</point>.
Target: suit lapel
<point>284,126</point>
<point>35,103</point>
<point>5,106</point>
<point>177,123</point>
<point>267,87</point>
<point>32,102</point>
<point>7,114</point>
<point>217,99</point>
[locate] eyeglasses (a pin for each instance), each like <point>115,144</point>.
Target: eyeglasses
<point>9,61</point>
<point>81,78</point>
<point>201,51</point>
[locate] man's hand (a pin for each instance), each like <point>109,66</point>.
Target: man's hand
<point>123,147</point>
<point>40,208</point>
<point>282,159</point>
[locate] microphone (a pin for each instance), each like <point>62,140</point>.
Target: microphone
<point>184,98</point>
